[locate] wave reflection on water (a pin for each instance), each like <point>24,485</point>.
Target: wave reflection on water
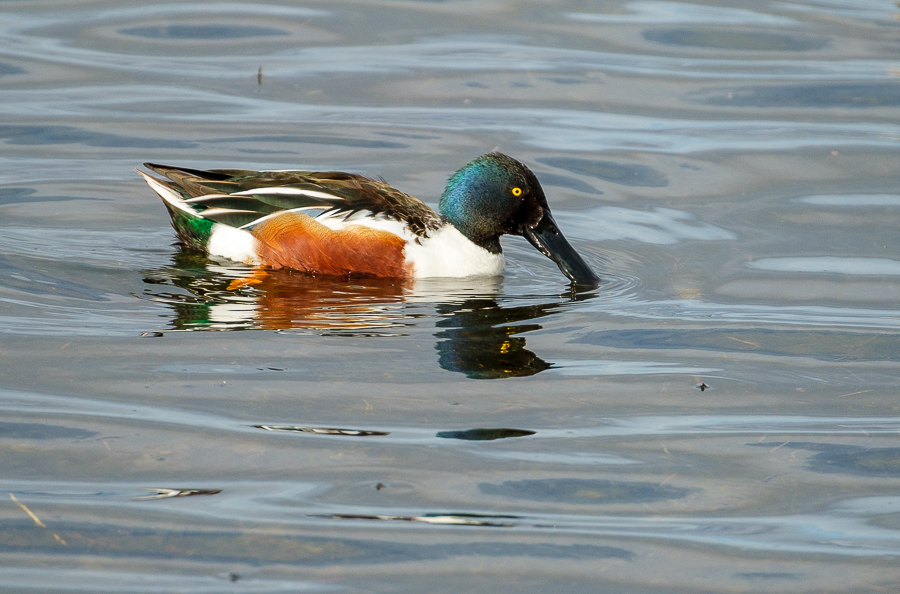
<point>543,128</point>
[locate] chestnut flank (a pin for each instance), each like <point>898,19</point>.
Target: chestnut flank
<point>296,240</point>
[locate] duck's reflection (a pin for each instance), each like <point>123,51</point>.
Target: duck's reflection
<point>233,297</point>
<point>476,335</point>
<point>478,339</point>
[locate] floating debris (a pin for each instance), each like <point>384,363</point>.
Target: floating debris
<point>25,509</point>
<point>36,519</point>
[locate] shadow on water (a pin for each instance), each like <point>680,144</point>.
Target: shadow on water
<point>477,336</point>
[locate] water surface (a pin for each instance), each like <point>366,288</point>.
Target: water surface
<point>719,415</point>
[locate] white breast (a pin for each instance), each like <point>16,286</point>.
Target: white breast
<point>447,253</point>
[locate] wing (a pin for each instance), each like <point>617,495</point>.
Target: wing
<point>239,197</point>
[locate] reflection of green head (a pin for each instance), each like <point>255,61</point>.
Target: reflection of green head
<point>491,196</point>
<point>480,342</point>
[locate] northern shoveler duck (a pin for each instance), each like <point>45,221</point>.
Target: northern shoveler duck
<point>366,227</point>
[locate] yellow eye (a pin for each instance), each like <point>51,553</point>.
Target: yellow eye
<point>517,191</point>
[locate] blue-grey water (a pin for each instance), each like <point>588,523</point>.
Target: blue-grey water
<point>721,415</point>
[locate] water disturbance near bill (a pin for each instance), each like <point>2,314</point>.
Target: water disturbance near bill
<point>719,415</point>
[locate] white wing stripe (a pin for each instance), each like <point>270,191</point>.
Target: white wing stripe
<point>280,212</point>
<point>218,211</point>
<point>206,197</point>
<point>290,191</point>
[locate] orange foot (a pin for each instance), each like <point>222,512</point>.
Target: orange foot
<point>240,283</point>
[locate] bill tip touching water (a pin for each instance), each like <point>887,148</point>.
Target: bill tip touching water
<point>365,227</point>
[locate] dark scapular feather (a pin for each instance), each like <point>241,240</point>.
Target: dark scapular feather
<point>347,193</point>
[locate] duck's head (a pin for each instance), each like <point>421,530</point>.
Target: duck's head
<point>496,195</point>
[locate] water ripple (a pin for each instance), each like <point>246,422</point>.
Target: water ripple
<point>557,129</point>
<point>446,54</point>
<point>848,529</point>
<point>681,12</point>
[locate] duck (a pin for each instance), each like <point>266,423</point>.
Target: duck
<point>344,224</point>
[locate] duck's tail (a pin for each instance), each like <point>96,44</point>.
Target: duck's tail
<point>192,228</point>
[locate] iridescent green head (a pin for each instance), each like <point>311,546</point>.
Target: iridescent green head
<point>496,195</point>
